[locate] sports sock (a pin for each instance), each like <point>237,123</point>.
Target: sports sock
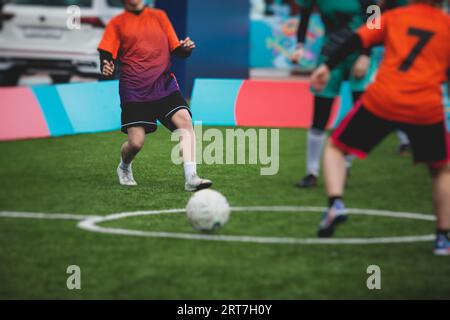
<point>316,140</point>
<point>445,233</point>
<point>403,138</point>
<point>190,169</point>
<point>124,166</point>
<point>332,199</point>
<point>349,161</point>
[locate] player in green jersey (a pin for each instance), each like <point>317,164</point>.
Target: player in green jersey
<point>340,18</point>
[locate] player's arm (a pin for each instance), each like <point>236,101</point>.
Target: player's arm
<point>321,75</point>
<point>180,49</point>
<point>305,15</point>
<point>108,49</point>
<point>362,64</point>
<point>306,8</point>
<point>362,39</point>
<point>184,50</point>
<point>107,65</point>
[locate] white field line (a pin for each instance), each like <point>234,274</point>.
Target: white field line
<point>89,223</point>
<point>92,225</point>
<point>39,215</point>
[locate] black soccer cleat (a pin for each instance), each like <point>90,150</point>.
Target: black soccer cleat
<point>195,183</point>
<point>404,149</point>
<point>331,218</point>
<point>310,181</point>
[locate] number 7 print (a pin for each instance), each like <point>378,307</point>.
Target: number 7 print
<point>424,37</point>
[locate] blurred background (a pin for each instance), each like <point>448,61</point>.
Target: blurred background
<point>54,42</point>
<point>36,46</point>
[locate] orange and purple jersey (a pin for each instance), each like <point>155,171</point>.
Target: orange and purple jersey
<point>143,43</point>
<point>408,86</point>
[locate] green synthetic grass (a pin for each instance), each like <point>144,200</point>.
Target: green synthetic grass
<point>77,175</point>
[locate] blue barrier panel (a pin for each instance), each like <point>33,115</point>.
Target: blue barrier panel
<point>213,101</point>
<point>221,31</point>
<point>52,107</point>
<point>92,107</point>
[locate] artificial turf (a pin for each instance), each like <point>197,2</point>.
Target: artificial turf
<point>76,174</point>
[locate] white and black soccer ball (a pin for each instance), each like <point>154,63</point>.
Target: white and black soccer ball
<point>208,210</point>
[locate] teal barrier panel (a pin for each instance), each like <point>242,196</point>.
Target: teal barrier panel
<point>91,107</point>
<point>53,109</point>
<point>446,94</point>
<point>345,104</point>
<point>214,100</point>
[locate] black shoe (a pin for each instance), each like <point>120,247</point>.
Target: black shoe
<point>310,181</point>
<point>404,149</point>
<point>332,217</point>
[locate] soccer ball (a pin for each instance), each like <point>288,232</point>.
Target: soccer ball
<point>207,210</point>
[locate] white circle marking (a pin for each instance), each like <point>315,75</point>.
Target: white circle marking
<point>91,224</point>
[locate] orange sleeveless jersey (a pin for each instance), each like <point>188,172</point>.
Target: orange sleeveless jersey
<point>408,86</point>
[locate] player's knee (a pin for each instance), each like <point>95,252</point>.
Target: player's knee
<point>319,125</point>
<point>183,120</point>
<point>185,123</point>
<point>317,130</point>
<point>332,146</point>
<point>136,144</point>
<point>322,112</point>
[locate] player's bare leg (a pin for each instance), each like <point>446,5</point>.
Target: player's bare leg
<point>183,121</point>
<point>441,197</point>
<point>335,172</point>
<point>129,150</point>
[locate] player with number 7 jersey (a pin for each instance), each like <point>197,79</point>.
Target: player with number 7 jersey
<point>408,84</point>
<point>406,95</point>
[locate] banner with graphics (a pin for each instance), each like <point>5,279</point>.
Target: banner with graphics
<point>273,38</point>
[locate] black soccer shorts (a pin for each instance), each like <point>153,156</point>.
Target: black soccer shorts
<point>146,114</point>
<point>361,131</point>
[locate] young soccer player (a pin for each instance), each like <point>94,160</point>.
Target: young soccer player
<point>406,95</point>
<point>143,39</point>
<point>404,147</point>
<point>340,19</point>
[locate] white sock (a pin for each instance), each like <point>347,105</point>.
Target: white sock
<point>190,169</point>
<point>402,137</point>
<point>124,166</point>
<point>316,141</point>
<point>349,161</point>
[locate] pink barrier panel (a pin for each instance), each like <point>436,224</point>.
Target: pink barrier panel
<point>20,115</point>
<point>282,104</point>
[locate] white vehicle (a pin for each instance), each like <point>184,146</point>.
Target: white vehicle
<point>35,37</point>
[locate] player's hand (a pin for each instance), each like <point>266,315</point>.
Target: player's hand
<point>297,55</point>
<point>361,66</point>
<point>188,44</point>
<point>320,77</point>
<point>108,68</point>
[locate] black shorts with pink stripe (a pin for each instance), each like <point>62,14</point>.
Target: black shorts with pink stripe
<point>361,131</point>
